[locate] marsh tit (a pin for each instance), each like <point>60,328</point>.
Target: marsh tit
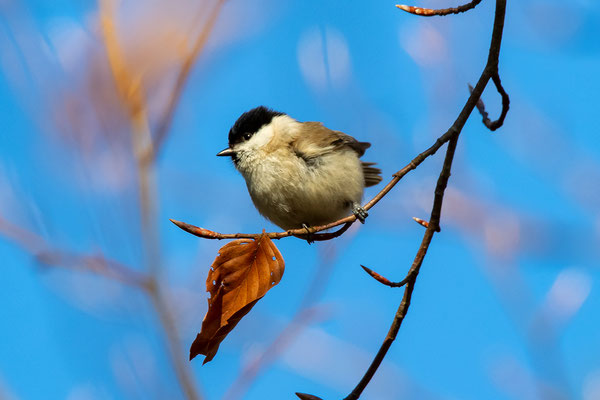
<point>299,174</point>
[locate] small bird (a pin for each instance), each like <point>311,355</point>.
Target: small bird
<point>299,174</point>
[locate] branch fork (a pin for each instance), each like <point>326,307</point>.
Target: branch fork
<point>490,72</point>
<point>451,136</point>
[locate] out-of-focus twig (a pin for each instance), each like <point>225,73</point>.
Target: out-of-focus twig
<point>129,87</point>
<point>132,94</point>
<point>46,254</point>
<point>307,314</point>
<point>428,12</point>
<point>95,263</point>
<point>284,339</point>
<point>186,67</point>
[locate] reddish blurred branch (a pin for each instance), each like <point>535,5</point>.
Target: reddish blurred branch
<point>133,97</point>
<point>284,340</point>
<point>98,264</point>
<point>186,67</point>
<point>307,313</point>
<point>128,84</point>
<point>48,255</point>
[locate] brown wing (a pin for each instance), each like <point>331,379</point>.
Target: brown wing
<point>318,140</point>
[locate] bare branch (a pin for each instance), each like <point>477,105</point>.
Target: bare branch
<point>434,221</point>
<point>428,12</point>
<point>450,137</point>
<point>412,273</point>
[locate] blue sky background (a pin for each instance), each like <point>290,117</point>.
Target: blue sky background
<point>506,304</point>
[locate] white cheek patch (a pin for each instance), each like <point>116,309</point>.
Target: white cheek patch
<point>258,140</point>
<point>262,137</point>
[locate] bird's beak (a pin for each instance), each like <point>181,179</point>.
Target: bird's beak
<point>226,152</point>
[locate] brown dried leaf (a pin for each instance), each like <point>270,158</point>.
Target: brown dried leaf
<point>242,274</point>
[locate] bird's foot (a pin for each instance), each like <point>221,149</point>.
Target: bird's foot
<point>360,213</point>
<point>309,234</point>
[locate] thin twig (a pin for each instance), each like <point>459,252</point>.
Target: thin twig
<point>434,220</point>
<point>493,125</point>
<point>428,12</point>
<point>383,279</point>
<point>184,72</point>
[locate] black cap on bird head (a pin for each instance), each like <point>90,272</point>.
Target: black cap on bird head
<point>247,125</point>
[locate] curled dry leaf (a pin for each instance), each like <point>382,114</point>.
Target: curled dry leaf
<point>242,273</point>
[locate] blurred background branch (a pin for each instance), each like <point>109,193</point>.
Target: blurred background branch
<point>186,67</point>
<point>111,118</point>
<point>308,312</point>
<point>133,96</point>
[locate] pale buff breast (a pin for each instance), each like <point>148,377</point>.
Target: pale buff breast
<point>291,193</point>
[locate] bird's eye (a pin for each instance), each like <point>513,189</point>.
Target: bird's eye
<point>247,136</point>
